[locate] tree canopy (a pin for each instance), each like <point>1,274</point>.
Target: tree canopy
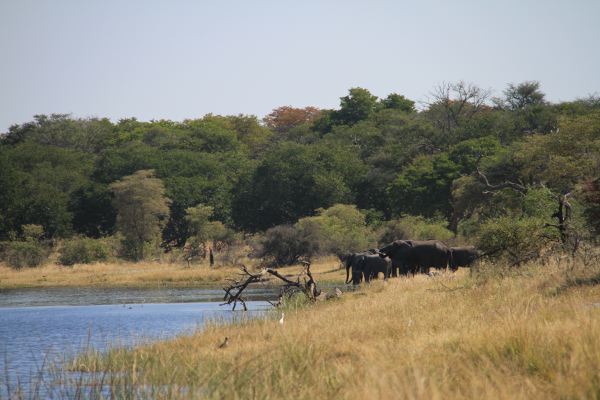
<point>82,176</point>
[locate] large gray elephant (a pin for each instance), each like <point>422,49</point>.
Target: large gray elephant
<point>463,256</point>
<point>413,256</point>
<point>366,265</point>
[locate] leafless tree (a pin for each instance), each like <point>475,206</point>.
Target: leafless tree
<point>450,105</point>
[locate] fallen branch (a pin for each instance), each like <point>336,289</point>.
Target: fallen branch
<point>234,292</point>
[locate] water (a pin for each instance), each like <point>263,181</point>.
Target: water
<point>72,320</point>
<point>95,296</point>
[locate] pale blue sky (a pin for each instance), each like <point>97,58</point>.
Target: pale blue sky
<point>183,59</point>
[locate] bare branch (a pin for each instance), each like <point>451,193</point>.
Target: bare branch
<point>233,293</point>
<point>505,185</point>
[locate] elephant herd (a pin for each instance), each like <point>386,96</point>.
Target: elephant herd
<point>403,257</point>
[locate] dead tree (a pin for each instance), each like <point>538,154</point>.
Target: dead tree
<point>304,283</point>
<point>453,104</point>
<point>563,214</point>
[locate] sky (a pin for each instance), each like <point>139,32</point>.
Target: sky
<point>183,59</point>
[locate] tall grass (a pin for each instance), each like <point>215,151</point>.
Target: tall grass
<point>527,333</point>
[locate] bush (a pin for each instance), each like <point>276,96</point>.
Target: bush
<point>19,254</point>
<point>284,245</point>
<point>83,251</point>
<point>516,240</point>
<point>338,230</point>
<point>413,227</point>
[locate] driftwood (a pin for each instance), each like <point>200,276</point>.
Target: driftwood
<point>234,292</point>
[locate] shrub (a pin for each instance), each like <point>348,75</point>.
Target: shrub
<point>514,239</point>
<point>337,230</point>
<point>413,227</point>
<point>82,250</point>
<point>30,251</point>
<point>284,245</point>
<point>19,254</point>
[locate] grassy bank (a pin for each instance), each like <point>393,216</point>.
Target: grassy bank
<point>143,274</point>
<point>531,333</point>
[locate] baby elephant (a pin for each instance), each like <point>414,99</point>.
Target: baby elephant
<point>463,256</point>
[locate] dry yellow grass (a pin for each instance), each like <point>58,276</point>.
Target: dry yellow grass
<point>142,274</point>
<point>534,334</point>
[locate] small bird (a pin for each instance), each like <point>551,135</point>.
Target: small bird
<point>224,344</point>
<point>281,320</point>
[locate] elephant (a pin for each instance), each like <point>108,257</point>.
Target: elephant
<point>367,264</point>
<point>463,256</point>
<point>412,256</point>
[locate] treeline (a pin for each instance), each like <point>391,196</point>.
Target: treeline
<point>465,161</point>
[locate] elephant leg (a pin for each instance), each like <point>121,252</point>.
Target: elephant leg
<point>405,269</point>
<point>366,276</point>
<point>394,271</point>
<point>414,269</point>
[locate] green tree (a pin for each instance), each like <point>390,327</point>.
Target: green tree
<point>292,181</point>
<point>359,105</point>
<point>527,112</point>
<point>424,187</point>
<point>396,101</point>
<point>525,94</point>
<point>141,211</point>
<point>202,229</point>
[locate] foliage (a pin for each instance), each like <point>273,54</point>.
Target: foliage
<point>398,102</point>
<point>522,95</point>
<point>515,239</point>
<point>19,254</point>
<point>412,227</point>
<point>82,250</point>
<point>591,196</point>
<point>284,245</point>
<point>424,187</point>
<point>380,154</point>
<point>338,230</point>
<point>292,181</point>
<point>142,208</point>
<point>30,251</point>
<point>203,230</point>
<point>358,105</point>
<point>282,119</point>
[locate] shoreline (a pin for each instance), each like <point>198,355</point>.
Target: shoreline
<point>146,275</point>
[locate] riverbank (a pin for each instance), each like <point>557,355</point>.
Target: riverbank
<point>144,275</point>
<point>527,333</point>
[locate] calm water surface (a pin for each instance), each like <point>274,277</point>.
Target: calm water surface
<point>48,325</point>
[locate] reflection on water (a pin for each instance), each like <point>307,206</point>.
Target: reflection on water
<point>32,335</point>
<point>95,296</point>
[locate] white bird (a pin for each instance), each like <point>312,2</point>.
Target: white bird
<point>281,320</point>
